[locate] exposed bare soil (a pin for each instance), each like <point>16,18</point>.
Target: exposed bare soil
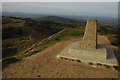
<point>46,65</point>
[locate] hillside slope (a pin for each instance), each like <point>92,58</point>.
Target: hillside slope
<point>20,34</point>
<point>45,64</point>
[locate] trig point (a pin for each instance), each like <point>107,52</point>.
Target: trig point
<point>90,36</point>
<point>88,50</point>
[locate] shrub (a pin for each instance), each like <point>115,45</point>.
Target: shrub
<point>78,60</point>
<point>90,63</point>
<point>99,64</point>
<point>107,66</point>
<point>116,67</point>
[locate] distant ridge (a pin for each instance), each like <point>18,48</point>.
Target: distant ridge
<point>59,19</point>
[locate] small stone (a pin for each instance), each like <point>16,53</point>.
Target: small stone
<point>33,67</point>
<point>93,66</point>
<point>58,74</point>
<point>38,75</point>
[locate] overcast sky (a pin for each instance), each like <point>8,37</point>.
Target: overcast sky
<point>108,9</point>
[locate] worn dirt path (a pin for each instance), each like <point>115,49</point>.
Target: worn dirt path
<point>46,65</point>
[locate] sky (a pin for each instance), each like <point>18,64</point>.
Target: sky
<point>103,9</point>
<point>60,0</point>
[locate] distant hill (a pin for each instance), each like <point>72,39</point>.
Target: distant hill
<point>60,19</point>
<point>41,27</point>
<point>104,21</point>
<point>55,18</point>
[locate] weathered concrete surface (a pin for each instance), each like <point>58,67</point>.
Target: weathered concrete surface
<point>90,35</point>
<point>95,56</point>
<point>88,50</point>
<point>93,53</point>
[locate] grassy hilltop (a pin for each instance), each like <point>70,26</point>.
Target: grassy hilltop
<point>23,37</point>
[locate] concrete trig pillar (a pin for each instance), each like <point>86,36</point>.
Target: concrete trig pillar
<point>86,50</point>
<point>90,35</point>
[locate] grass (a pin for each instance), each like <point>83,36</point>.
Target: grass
<point>15,46</point>
<point>76,33</point>
<point>9,52</point>
<point>11,20</point>
<point>111,34</point>
<point>13,25</point>
<point>113,39</point>
<point>35,47</point>
<point>29,54</point>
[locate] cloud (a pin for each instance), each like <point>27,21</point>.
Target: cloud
<point>70,8</point>
<point>60,0</point>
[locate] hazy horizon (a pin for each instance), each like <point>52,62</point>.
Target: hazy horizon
<point>94,9</point>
